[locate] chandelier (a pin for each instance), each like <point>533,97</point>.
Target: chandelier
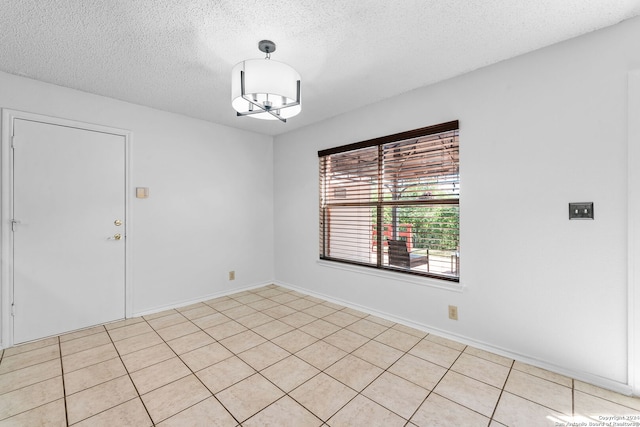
<point>265,89</point>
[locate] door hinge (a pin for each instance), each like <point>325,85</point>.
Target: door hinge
<point>13,141</point>
<point>13,309</point>
<point>14,224</point>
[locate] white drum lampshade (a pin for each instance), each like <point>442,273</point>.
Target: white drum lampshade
<point>265,89</point>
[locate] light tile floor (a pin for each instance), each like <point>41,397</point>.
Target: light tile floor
<point>276,357</point>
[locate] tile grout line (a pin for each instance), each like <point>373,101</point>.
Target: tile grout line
<point>57,358</point>
<point>320,371</point>
<point>449,369</point>
<point>359,393</point>
<point>571,388</point>
<point>103,382</point>
<point>64,390</point>
<point>433,390</point>
<point>286,394</point>
<point>491,418</point>
<point>130,379</point>
<point>345,327</point>
<point>191,370</point>
<point>438,382</point>
<point>470,377</point>
<point>573,399</point>
<point>512,368</point>
<point>98,384</point>
<point>288,352</point>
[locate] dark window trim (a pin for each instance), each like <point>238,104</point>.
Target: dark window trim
<point>415,133</point>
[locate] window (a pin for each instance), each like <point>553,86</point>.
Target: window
<point>393,202</point>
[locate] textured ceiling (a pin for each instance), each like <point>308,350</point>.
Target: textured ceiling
<point>177,55</point>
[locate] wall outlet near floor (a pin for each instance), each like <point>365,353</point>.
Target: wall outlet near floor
<point>453,312</point>
<point>232,275</point>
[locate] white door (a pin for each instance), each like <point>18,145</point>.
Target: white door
<point>68,199</point>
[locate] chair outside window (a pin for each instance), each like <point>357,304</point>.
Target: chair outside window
<point>399,256</point>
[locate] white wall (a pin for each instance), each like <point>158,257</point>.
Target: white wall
<point>536,132</point>
<point>210,208</point>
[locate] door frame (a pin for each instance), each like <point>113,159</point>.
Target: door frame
<point>6,209</point>
<point>633,230</point>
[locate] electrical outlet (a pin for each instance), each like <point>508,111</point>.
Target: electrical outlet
<point>232,275</point>
<point>453,312</point>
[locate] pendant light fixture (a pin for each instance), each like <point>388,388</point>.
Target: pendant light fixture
<point>265,89</point>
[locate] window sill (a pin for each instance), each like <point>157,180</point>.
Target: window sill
<point>395,276</point>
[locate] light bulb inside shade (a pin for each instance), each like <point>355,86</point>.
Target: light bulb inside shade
<point>265,80</point>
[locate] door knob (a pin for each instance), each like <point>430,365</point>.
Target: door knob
<point>117,222</point>
<point>116,236</point>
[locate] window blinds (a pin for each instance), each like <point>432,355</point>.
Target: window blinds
<point>393,202</point>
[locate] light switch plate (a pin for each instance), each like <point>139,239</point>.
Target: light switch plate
<point>581,210</point>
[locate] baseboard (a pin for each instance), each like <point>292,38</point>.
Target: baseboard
<point>207,297</point>
<point>173,305</point>
<point>581,376</point>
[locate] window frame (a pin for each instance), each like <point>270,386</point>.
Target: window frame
<point>381,204</point>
